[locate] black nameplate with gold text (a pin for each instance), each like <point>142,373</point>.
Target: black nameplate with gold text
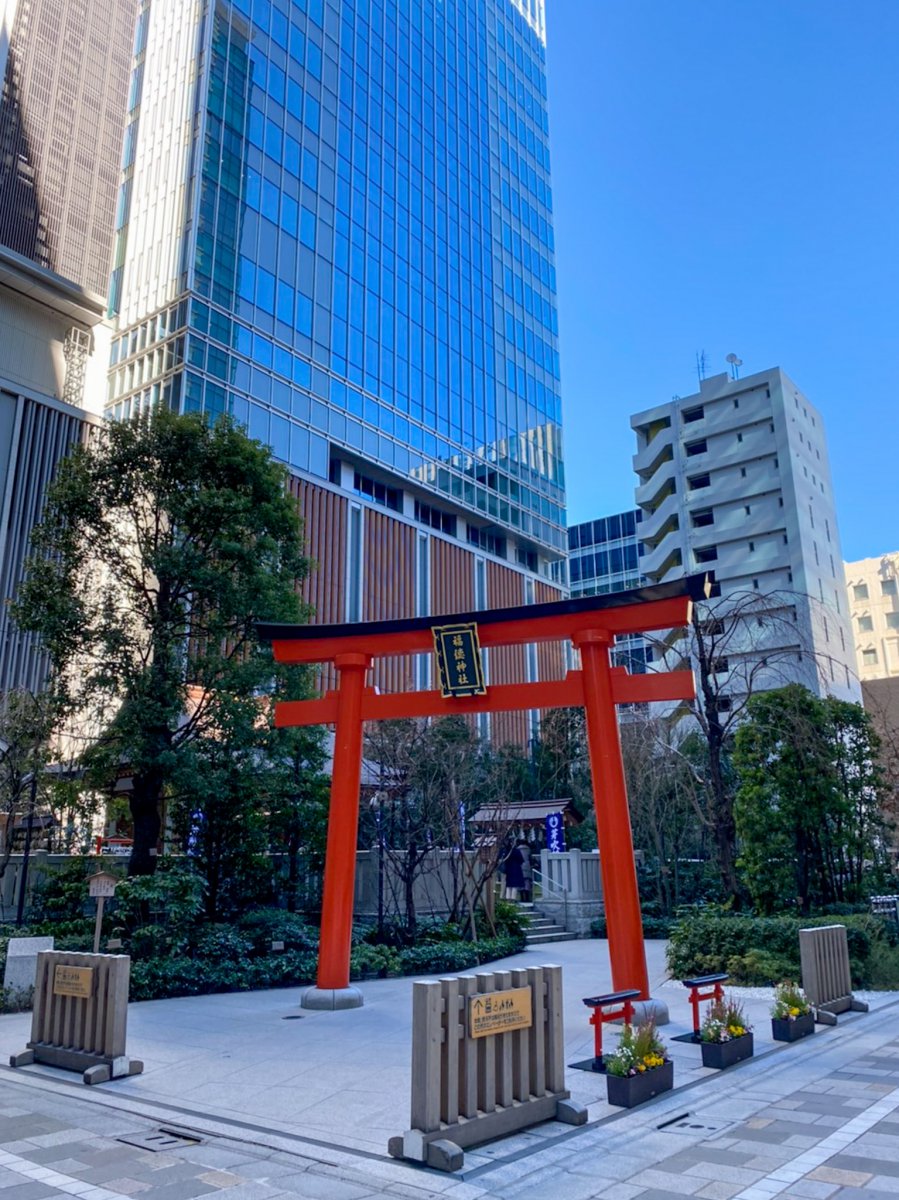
<point>459,660</point>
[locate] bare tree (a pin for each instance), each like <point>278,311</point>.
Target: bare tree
<point>431,779</point>
<point>665,800</point>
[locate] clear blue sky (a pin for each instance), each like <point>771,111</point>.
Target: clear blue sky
<point>726,178</point>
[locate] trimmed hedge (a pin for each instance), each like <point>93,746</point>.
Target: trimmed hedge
<point>239,958</point>
<point>653,927</point>
<point>760,951</point>
<point>162,978</point>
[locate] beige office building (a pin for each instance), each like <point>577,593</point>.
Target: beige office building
<point>873,588</point>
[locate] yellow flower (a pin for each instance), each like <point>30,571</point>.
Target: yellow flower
<point>794,1012</point>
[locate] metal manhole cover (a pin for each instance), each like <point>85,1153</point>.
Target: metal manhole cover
<point>160,1139</point>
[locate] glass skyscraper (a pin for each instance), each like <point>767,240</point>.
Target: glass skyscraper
<point>605,556</point>
<point>335,222</point>
<point>64,72</point>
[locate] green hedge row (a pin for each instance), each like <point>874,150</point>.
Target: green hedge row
<point>162,978</point>
<point>760,951</point>
<point>653,927</point>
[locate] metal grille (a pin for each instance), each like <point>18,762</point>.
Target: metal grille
<point>76,351</point>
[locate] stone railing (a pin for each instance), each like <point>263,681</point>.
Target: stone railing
<point>570,888</point>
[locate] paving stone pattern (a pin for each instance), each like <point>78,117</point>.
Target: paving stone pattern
<point>816,1125</point>
<point>44,1157</point>
<point>834,1138</point>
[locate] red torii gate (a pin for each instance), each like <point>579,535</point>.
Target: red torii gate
<point>591,623</point>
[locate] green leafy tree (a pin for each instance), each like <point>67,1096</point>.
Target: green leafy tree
<point>162,543</point>
<point>298,795</point>
<point>561,765</point>
<point>27,723</point>
<point>808,802</point>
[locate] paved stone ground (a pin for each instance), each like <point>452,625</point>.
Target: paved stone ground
<point>749,1134</point>
<point>816,1121</point>
<point>285,1108</point>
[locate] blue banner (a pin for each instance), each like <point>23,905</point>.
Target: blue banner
<point>555,832</point>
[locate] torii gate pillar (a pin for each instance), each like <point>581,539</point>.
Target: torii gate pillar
<point>613,822</point>
<point>333,989</point>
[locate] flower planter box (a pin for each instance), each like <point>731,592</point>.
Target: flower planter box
<point>629,1090</point>
<point>724,1054</point>
<point>785,1030</point>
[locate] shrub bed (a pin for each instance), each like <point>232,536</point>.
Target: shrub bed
<point>161,978</point>
<point>179,954</point>
<point>760,951</point>
<point>653,927</point>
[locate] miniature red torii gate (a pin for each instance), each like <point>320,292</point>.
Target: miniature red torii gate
<point>591,623</point>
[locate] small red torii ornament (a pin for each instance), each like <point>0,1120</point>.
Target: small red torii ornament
<point>592,624</point>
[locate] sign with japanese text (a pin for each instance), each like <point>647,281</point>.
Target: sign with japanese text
<point>459,660</point>
<point>555,832</point>
<point>499,1012</point>
<point>102,884</point>
<point>73,981</point>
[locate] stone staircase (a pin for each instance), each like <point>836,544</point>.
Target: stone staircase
<point>542,929</point>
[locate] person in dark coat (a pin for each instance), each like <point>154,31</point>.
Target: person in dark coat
<point>514,870</point>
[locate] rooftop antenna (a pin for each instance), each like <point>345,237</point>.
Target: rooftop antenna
<point>735,364</point>
<point>702,364</point>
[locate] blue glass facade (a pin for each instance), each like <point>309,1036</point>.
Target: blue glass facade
<point>366,263</point>
<point>604,556</point>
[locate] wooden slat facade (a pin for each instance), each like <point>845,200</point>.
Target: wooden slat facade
<point>505,588</point>
<point>324,516</point>
<point>550,655</point>
<point>452,578</point>
<point>389,572</point>
<point>388,590</point>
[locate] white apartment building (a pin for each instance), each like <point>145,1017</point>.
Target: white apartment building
<point>735,480</point>
<point>872,586</point>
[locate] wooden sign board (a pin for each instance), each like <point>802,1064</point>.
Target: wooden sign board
<point>459,660</point>
<point>499,1012</point>
<point>102,884</point>
<point>73,981</point>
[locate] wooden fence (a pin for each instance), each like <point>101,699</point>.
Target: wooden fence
<point>80,1015</point>
<point>470,1089</point>
<point>826,977</point>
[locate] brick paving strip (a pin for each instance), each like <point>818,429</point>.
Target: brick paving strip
<point>72,1186</point>
<point>811,1162</point>
<point>780,1152</point>
<point>43,1158</point>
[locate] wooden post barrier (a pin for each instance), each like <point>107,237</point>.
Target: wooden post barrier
<point>80,1015</point>
<point>826,977</point>
<point>487,1060</point>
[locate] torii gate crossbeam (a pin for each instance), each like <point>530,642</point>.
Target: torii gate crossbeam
<point>591,623</point>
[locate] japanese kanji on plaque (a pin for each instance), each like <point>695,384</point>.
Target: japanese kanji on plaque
<point>459,660</point>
